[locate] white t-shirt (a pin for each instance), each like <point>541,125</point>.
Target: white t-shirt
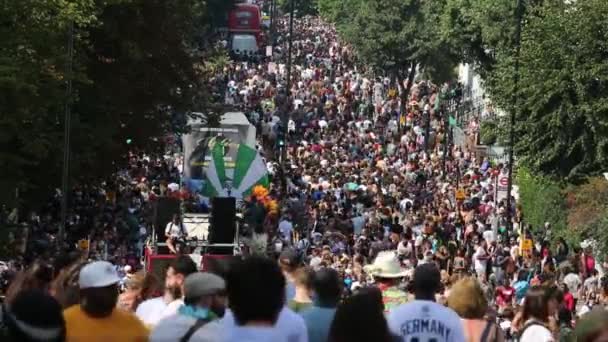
<point>291,126</point>
<point>290,327</point>
<point>488,235</point>
<point>480,265</point>
<point>172,308</point>
<point>536,333</point>
<point>423,320</point>
<point>151,311</point>
<point>174,230</point>
<point>573,281</point>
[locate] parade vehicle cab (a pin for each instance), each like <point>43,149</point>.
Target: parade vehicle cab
<point>246,19</point>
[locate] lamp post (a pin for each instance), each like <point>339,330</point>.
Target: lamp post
<point>273,20</point>
<point>289,50</point>
<point>518,15</point>
<point>289,99</point>
<point>65,179</point>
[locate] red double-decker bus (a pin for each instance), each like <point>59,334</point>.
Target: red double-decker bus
<point>245,18</point>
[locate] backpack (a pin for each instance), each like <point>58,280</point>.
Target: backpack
<point>526,326</point>
<point>521,287</point>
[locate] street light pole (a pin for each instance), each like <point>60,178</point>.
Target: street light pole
<point>518,15</point>
<point>272,21</point>
<point>65,179</point>
<point>284,119</point>
<point>291,10</point>
<point>446,141</point>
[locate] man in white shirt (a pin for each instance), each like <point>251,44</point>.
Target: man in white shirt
<point>258,310</point>
<point>198,319</point>
<point>573,281</point>
<point>481,259</point>
<point>423,319</point>
<point>322,124</point>
<point>153,310</point>
<point>175,230</point>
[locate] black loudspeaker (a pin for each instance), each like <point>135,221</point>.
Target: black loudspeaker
<point>223,220</point>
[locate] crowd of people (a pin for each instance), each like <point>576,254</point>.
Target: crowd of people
<point>389,231</point>
<point>109,219</point>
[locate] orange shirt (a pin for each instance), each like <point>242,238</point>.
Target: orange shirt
<point>120,326</point>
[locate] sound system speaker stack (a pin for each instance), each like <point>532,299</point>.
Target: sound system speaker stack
<point>222,229</point>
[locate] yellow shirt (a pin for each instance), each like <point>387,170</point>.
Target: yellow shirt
<point>120,326</point>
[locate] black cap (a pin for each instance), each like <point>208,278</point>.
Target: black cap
<point>36,315</point>
<point>426,278</point>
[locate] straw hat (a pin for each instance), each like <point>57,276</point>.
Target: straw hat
<point>386,265</point>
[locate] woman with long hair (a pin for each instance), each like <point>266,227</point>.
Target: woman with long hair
<point>361,318</point>
<point>65,285</point>
<point>33,316</point>
<point>140,287</point>
<point>38,276</point>
<point>468,300</point>
<point>535,316</point>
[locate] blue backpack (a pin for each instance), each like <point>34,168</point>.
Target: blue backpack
<point>521,287</point>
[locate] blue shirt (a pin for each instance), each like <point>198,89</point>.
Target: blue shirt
<point>318,320</point>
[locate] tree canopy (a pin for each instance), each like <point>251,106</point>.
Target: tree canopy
<point>563,121</point>
<point>135,63</point>
<point>301,7</point>
<point>393,35</point>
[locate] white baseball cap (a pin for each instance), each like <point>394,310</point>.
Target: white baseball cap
<point>98,274</point>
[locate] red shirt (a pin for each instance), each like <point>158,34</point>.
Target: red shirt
<point>569,301</point>
<point>504,295</point>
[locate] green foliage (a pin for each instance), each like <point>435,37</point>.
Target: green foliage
<point>494,131</point>
<point>482,29</point>
<point>562,121</point>
<point>542,200</point>
<point>134,65</point>
<point>398,37</point>
<point>588,210</point>
<point>301,7</point>
<point>488,132</point>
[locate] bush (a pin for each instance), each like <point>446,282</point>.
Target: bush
<point>488,132</point>
<point>588,211</point>
<point>542,200</point>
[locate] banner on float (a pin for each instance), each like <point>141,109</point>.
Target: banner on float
<point>233,130</point>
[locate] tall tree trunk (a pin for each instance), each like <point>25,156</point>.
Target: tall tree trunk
<point>405,94</point>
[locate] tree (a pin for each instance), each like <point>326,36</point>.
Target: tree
<point>588,208</point>
<point>399,37</point>
<point>481,30</point>
<point>542,201</point>
<point>301,7</point>
<point>338,12</point>
<point>563,94</point>
<point>136,63</point>
<point>32,78</point>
